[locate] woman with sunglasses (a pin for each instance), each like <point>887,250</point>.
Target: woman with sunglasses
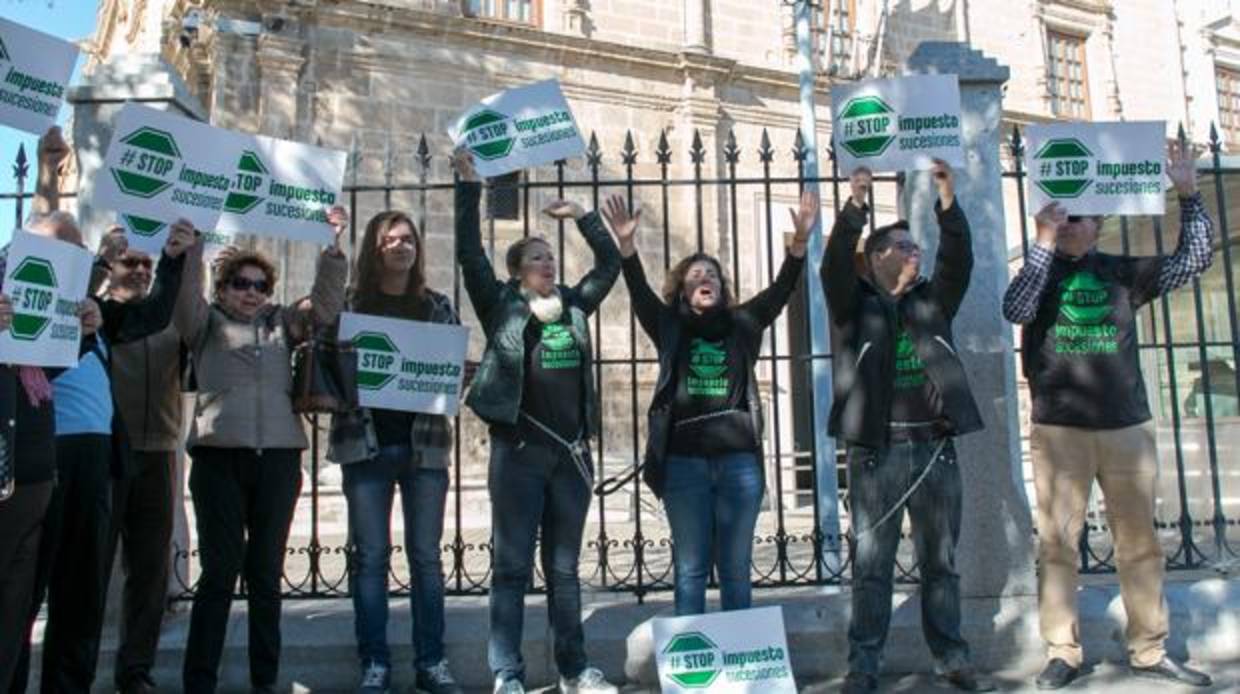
<point>380,449</point>
<point>246,443</point>
<point>703,452</point>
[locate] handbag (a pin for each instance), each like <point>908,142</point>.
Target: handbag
<point>324,376</point>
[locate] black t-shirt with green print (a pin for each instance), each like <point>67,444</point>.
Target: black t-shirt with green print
<point>1080,351</point>
<point>709,413</point>
<point>553,377</point>
<point>914,399</point>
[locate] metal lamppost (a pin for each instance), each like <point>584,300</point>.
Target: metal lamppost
<point>824,446</point>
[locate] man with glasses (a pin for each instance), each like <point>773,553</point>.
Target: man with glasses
<point>1077,307</point>
<point>146,383</point>
<point>900,396</point>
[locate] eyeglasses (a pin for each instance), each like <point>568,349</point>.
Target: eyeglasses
<point>242,284</point>
<point>1074,218</point>
<point>906,247</point>
<point>133,263</point>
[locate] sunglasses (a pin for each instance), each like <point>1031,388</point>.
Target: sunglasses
<point>242,284</point>
<point>133,263</point>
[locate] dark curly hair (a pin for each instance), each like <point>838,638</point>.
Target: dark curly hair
<point>229,268</point>
<point>674,283</point>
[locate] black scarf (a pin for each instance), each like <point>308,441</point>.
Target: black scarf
<point>714,324</point>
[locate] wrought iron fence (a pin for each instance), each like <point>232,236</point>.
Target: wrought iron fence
<point>733,215</point>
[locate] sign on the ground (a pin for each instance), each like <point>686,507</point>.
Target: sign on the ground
<point>1097,168</point>
<point>283,189</point>
<point>518,129</point>
<point>736,652</point>
<point>407,365</point>
<point>897,124</point>
<point>45,279</point>
<point>36,69</point>
<point>161,167</point>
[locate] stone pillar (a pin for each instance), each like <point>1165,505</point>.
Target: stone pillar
<point>142,77</point>
<point>996,554</point>
<point>696,35</point>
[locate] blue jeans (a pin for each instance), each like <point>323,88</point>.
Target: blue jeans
<point>369,487</point>
<point>876,481</point>
<point>712,505</point>
<point>535,488</point>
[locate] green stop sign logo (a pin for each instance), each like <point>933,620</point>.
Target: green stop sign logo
<point>868,126</point>
<point>34,299</point>
<point>1062,167</point>
<point>378,360</point>
<point>147,161</point>
<point>489,135</point>
<point>141,226</point>
<point>249,179</point>
<point>692,660</point>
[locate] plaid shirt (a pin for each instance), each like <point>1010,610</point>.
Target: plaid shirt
<point>1193,254</point>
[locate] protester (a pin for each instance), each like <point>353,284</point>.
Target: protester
<point>146,384</point>
<point>703,455</point>
<point>535,388</point>
<point>246,443</point>
<point>1091,419</point>
<point>900,395</point>
<point>381,449</point>
<point>91,452</point>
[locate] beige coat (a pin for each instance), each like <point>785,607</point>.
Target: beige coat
<point>243,369</point>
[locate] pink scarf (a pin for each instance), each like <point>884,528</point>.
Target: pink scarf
<point>34,380</point>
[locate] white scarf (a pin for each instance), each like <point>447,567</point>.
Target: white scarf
<point>547,309</point>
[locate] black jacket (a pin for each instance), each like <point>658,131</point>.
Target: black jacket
<point>864,324</point>
<point>662,322</point>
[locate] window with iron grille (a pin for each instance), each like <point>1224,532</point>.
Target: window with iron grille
<point>504,197</point>
<point>1067,76</point>
<point>520,11</point>
<point>1227,80</point>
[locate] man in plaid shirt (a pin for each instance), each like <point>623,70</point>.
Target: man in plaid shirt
<point>1077,307</point>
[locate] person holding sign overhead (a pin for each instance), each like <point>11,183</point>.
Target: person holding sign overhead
<point>246,443</point>
<point>901,394</point>
<point>380,449</point>
<point>535,388</point>
<point>1091,420</point>
<point>705,442</point>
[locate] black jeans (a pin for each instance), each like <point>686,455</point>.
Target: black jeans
<point>244,503</point>
<point>73,566</point>
<point>142,522</point>
<point>535,487</point>
<point>21,526</point>
<point>876,481</point>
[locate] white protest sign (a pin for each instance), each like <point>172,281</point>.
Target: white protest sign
<point>284,189</point>
<point>736,652</point>
<point>518,129</point>
<point>161,167</point>
<point>1097,168</point>
<point>897,124</point>
<point>45,279</point>
<point>36,68</point>
<point>407,365</point>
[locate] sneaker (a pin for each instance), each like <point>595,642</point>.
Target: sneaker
<point>376,679</point>
<point>1056,675</point>
<point>509,686</point>
<point>437,679</point>
<point>590,681</point>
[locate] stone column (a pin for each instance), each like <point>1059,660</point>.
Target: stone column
<point>696,35</point>
<point>145,78</point>
<point>996,553</point>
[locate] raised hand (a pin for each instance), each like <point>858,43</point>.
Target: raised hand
<point>113,245</point>
<point>463,164</point>
<point>945,181</point>
<point>180,238</point>
<point>563,209</point>
<point>859,183</point>
<point>1048,220</point>
<point>225,254</point>
<point>803,220</point>
<point>1182,168</point>
<point>338,217</point>
<point>53,151</point>
<point>623,225</point>
<point>92,319</point>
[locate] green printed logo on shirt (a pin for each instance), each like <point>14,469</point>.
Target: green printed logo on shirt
<point>708,369</point>
<point>559,349</point>
<point>1084,325</point>
<point>910,370</point>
